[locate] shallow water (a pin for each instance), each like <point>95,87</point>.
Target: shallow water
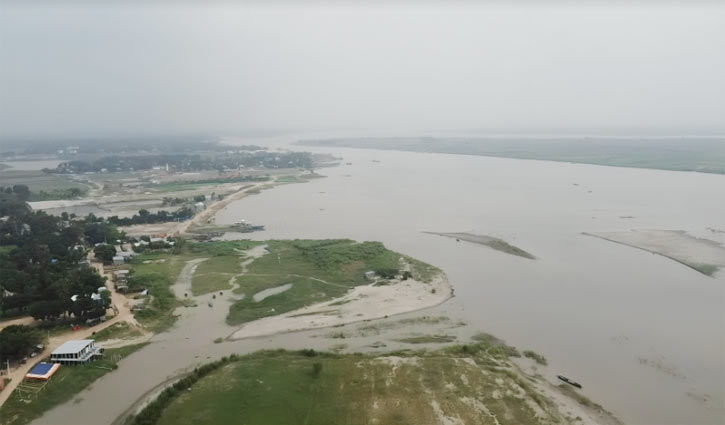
<point>642,333</point>
<point>261,295</point>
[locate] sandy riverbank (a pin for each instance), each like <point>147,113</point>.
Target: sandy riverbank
<point>704,255</point>
<point>361,303</point>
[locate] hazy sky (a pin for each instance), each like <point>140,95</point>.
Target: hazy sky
<point>223,67</point>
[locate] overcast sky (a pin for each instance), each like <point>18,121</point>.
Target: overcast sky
<point>224,68</point>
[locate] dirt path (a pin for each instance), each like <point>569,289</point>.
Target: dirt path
<point>26,320</point>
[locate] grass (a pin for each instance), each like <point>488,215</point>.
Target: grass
<point>706,269</point>
<point>306,387</point>
<point>303,292</point>
<point>569,391</point>
<point>120,330</point>
<point>538,358</point>
<point>215,273</point>
<point>503,246</point>
<point>159,276</point>
<point>38,181</point>
<point>427,339</point>
<point>307,265</point>
<point>67,382</point>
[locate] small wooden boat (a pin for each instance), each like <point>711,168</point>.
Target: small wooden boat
<point>569,381</point>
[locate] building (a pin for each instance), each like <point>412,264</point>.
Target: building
<point>118,260</point>
<point>79,351</point>
<point>370,275</point>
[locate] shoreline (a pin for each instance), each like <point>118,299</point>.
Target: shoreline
<point>692,265</point>
<point>360,304</point>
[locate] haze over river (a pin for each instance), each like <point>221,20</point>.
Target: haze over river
<point>642,333</point>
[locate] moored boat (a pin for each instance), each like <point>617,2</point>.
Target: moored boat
<point>569,381</point>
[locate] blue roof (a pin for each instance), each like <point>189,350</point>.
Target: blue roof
<point>41,368</point>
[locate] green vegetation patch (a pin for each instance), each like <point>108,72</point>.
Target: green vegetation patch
<point>120,330</point>
<point>318,270</point>
<point>538,358</point>
<point>65,384</point>
<point>304,291</point>
<point>215,273</point>
<point>277,387</point>
<point>428,339</point>
<point>158,270</point>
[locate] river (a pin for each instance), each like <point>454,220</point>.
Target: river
<point>642,333</point>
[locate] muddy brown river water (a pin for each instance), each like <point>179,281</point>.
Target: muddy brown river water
<point>644,335</point>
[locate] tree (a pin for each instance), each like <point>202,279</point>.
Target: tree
<point>105,252</point>
<point>17,341</point>
<point>21,191</point>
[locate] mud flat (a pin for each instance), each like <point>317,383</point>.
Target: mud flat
<point>489,241</point>
<point>704,255</point>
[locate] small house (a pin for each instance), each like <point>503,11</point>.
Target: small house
<point>118,260</point>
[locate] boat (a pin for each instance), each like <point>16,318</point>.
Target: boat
<point>569,381</point>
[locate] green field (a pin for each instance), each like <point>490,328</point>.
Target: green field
<point>215,273</point>
<point>472,382</point>
<point>53,186</point>
<point>706,155</point>
<point>67,382</point>
<point>317,270</point>
<point>119,330</point>
<point>157,271</point>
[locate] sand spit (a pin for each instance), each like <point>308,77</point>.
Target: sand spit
<point>704,255</point>
<point>489,241</point>
<point>361,303</point>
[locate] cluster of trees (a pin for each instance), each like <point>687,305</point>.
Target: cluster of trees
<point>146,217</point>
<point>189,162</point>
<point>169,201</point>
<point>51,195</point>
<point>16,341</point>
<point>40,263</point>
<point>22,193</point>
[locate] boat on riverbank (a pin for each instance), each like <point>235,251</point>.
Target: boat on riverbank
<point>569,381</point>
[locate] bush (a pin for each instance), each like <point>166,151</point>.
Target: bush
<point>316,369</point>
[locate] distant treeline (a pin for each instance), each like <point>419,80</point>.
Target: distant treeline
<point>188,162</point>
<point>146,217</point>
<point>23,193</point>
<point>120,145</point>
